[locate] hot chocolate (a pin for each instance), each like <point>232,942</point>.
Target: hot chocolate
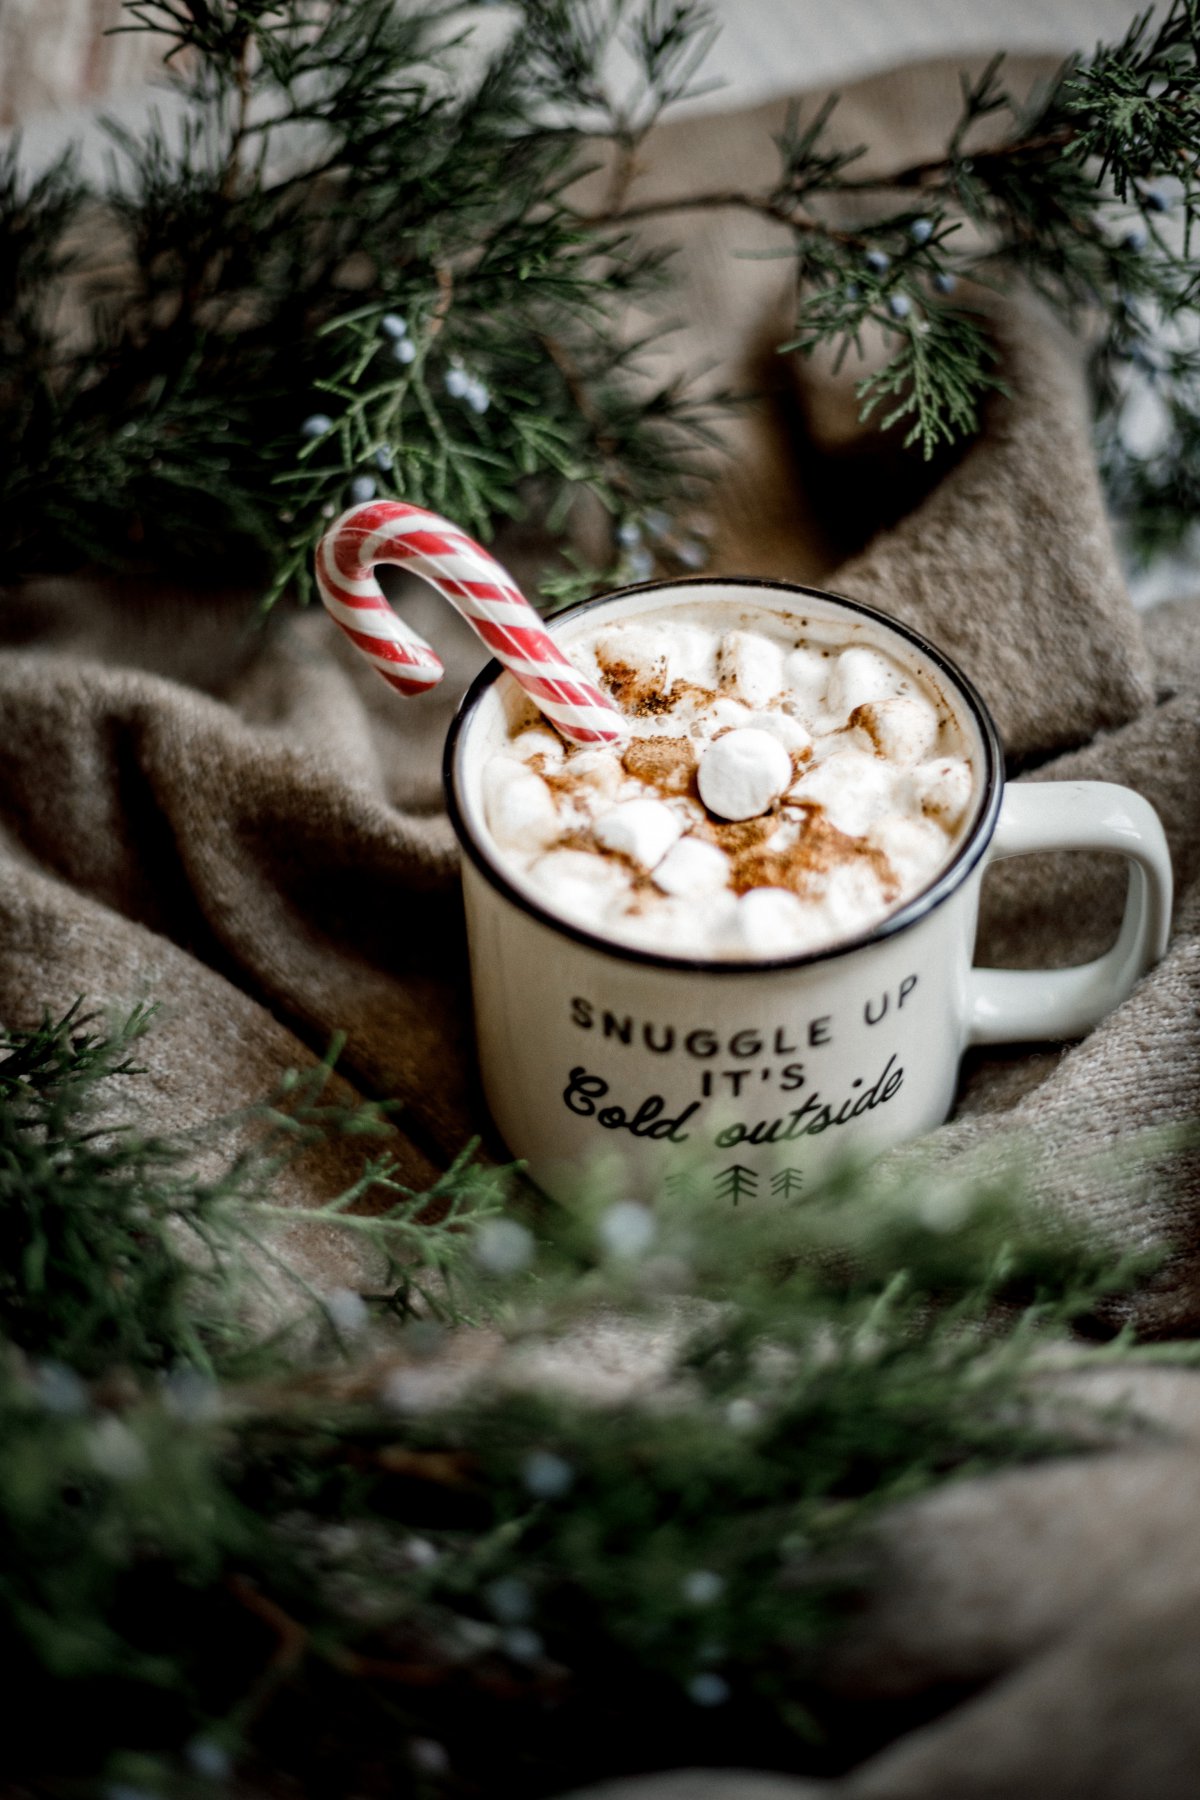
<point>784,785</point>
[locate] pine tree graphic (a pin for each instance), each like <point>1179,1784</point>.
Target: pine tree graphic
<point>787,1182</point>
<point>682,1184</point>
<point>735,1181</point>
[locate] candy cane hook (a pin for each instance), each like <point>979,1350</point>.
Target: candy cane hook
<point>390,531</point>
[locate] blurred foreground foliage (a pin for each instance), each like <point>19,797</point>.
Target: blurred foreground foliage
<point>556,1495</point>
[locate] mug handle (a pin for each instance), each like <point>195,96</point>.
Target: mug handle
<point>1018,1005</point>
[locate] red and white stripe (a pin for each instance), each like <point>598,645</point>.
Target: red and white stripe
<point>389,531</point>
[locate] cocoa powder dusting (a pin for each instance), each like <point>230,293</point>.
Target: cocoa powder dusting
<point>561,779</point>
<point>866,718</point>
<point>584,838</point>
<point>819,849</point>
<point>634,690</point>
<point>667,764</point>
<point>646,696</point>
<point>736,837</point>
<point>691,690</point>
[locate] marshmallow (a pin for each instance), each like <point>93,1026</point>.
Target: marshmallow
<point>767,922</point>
<point>656,658</point>
<point>915,848</point>
<point>577,882</point>
<point>642,830</point>
<point>674,925</point>
<point>854,737</point>
<point>852,900</point>
<point>941,790</point>
<point>806,676</point>
<point>904,729</point>
<point>790,732</point>
<point>537,741</point>
<point>635,661</point>
<point>859,676</point>
<point>742,772</point>
<point>854,789</point>
<point>692,867</point>
<point>600,769</point>
<point>638,648</point>
<point>722,715</point>
<point>520,808</point>
<point>750,667</point>
<point>691,654</point>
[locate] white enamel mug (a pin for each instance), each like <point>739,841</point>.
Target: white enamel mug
<point>635,1068</point>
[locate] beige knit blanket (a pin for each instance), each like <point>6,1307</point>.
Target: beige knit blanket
<point>245,825</point>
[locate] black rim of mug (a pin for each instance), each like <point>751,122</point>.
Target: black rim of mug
<point>947,882</point>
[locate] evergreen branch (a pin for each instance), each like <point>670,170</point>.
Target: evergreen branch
<point>1133,106</point>
<point>334,280</point>
<point>1045,196</point>
<point>446,198</point>
<point>937,378</point>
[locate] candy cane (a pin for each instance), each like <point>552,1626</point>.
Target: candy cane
<point>389,531</point>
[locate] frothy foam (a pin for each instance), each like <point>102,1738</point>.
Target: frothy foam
<point>677,841</point>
